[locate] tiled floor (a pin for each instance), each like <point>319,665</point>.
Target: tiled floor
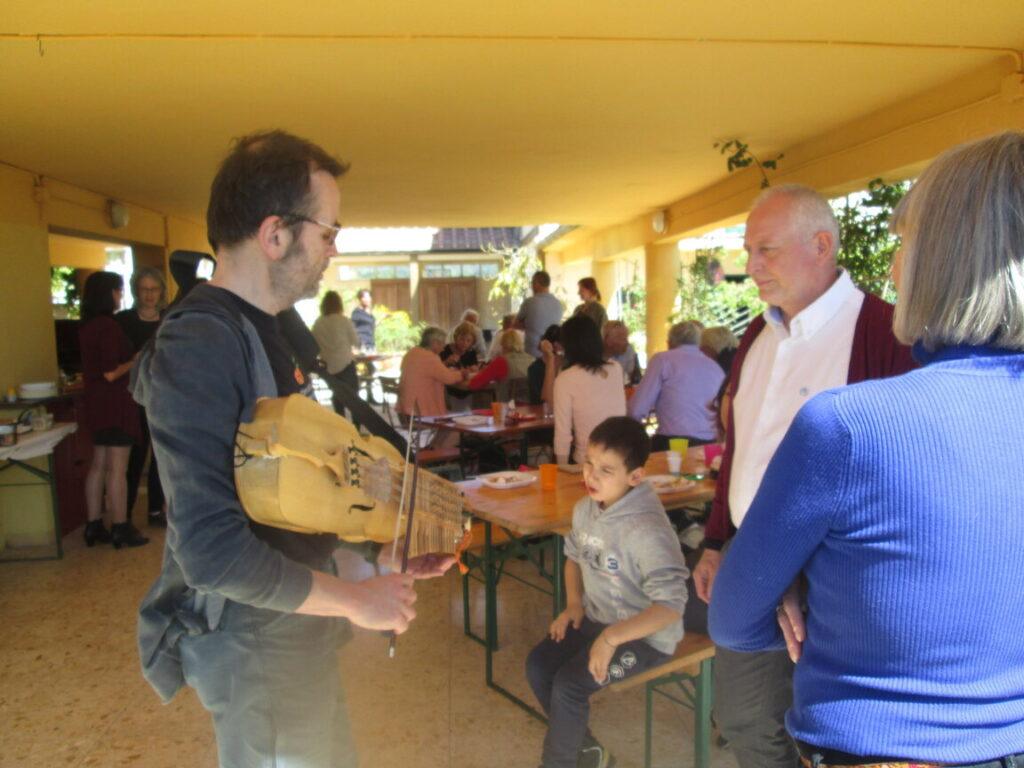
<point>71,693</point>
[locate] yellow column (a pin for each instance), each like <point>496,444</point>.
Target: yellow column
<point>604,274</point>
<point>414,288</point>
<point>662,268</point>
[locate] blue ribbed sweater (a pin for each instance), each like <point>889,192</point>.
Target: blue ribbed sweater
<point>902,500</point>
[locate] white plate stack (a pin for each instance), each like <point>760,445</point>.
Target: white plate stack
<point>37,390</point>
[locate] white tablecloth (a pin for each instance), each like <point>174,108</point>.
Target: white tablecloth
<point>33,444</point>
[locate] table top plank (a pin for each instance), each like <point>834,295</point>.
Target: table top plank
<point>491,430</point>
<point>529,510</point>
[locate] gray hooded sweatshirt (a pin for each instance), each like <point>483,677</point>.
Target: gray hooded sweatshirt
<point>630,559</point>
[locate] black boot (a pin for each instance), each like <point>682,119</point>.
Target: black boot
<point>126,535</point>
<point>96,531</point>
<point>157,519</point>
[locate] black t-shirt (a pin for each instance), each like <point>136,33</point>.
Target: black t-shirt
<point>312,549</point>
<point>137,330</point>
<point>468,359</point>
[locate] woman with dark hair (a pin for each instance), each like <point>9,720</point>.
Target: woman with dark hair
<point>898,502</point>
<point>110,413</point>
<point>540,376</point>
<point>337,337</point>
<point>587,391</point>
<point>591,306</point>
<point>149,289</point>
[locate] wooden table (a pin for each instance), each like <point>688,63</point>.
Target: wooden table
<point>491,432</point>
<point>530,511</point>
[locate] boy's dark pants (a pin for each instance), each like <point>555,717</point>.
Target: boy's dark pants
<point>558,674</point>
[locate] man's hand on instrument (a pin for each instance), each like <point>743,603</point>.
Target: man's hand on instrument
<point>430,566</point>
<point>705,572</point>
<point>571,615</point>
<point>384,603</point>
<point>427,566</point>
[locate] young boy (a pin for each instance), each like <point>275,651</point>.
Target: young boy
<point>625,583</point>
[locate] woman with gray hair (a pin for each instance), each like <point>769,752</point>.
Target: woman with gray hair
<point>680,387</point>
<point>140,323</point>
<point>424,376</point>
<point>902,504</point>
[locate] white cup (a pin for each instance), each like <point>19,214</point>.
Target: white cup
<point>675,462</point>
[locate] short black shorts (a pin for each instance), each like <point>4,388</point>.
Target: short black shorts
<point>113,437</point>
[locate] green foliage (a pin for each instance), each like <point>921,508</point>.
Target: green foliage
<point>740,156</point>
<point>704,296</point>
<point>517,267</point>
<point>395,332</point>
<point>64,291</point>
<point>866,246</point>
<point>633,307</point>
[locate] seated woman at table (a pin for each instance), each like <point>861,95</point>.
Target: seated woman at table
<point>510,365</point>
<point>587,391</point>
<point>461,353</point>
<point>680,387</point>
<point>542,372</point>
<point>900,501</point>
<point>424,376</point>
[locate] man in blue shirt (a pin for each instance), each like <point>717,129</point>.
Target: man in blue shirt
<point>539,311</point>
<point>680,386</point>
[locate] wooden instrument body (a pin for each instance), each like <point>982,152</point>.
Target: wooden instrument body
<point>304,468</point>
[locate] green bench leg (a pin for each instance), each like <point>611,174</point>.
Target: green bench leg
<point>701,706</point>
<point>702,716</point>
<point>648,724</point>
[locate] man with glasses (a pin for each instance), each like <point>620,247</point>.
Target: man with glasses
<point>248,615</point>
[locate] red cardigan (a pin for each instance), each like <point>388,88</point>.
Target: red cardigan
<point>874,354</point>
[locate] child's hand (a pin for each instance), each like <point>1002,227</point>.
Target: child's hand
<point>571,615</point>
<point>601,652</point>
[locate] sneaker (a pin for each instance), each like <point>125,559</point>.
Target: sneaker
<point>594,755</point>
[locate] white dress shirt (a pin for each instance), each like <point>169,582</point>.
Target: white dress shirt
<point>785,368</point>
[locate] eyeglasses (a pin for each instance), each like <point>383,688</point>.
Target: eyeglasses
<point>333,229</point>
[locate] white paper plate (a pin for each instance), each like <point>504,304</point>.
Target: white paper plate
<point>506,480</point>
<point>670,483</point>
<point>471,421</point>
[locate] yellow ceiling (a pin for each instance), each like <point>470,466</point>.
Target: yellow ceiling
<point>458,113</point>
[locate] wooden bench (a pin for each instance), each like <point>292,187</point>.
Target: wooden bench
<point>686,680</point>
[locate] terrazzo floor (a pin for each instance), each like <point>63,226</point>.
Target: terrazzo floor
<point>71,693</point>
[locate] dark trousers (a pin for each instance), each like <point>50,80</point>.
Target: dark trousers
<point>136,463</point>
<point>348,376</point>
<point>270,681</point>
<point>558,675</point>
<point>752,693</point>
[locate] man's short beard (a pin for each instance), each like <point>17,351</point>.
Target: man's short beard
<point>286,278</point>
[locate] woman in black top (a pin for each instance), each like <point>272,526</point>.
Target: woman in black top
<point>139,324</point>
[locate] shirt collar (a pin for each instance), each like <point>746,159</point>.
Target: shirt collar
<point>815,316</point>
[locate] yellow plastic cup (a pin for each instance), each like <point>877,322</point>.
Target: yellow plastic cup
<point>679,445</point>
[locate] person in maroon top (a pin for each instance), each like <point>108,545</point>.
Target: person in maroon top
<point>110,413</point>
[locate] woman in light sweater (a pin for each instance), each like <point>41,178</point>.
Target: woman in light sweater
<point>587,391</point>
<point>900,501</point>
<point>336,336</point>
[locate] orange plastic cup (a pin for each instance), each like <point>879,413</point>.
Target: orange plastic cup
<point>498,412</point>
<point>548,477</point>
